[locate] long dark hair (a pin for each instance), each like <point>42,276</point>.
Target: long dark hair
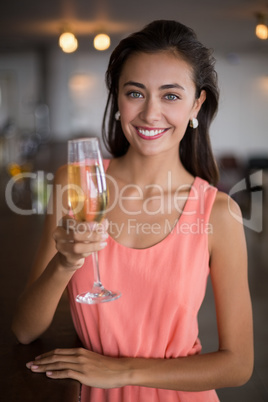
<point>195,148</point>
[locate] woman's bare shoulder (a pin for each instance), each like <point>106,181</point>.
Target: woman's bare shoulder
<point>225,207</point>
<point>226,220</point>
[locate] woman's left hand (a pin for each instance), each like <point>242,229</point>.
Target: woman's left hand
<point>87,367</point>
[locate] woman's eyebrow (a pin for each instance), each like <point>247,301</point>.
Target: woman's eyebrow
<point>165,86</point>
<point>170,86</point>
<point>135,84</point>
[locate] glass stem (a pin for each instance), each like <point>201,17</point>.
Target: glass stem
<point>97,281</point>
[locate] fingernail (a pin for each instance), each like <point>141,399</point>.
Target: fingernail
<point>103,244</point>
<point>105,223</point>
<point>91,225</point>
<point>34,367</point>
<point>49,373</point>
<point>29,364</point>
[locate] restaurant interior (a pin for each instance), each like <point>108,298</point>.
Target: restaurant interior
<point>50,93</point>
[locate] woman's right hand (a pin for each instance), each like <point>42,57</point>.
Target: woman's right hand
<point>77,240</point>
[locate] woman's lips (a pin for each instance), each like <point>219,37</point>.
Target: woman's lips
<point>150,133</point>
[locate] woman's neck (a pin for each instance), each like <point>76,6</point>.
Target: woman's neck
<point>160,169</point>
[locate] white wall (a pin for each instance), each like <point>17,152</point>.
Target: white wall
<point>77,93</point>
<point>77,96</point>
<point>241,125</point>
<point>19,76</point>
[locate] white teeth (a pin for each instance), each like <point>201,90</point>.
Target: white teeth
<point>150,133</point>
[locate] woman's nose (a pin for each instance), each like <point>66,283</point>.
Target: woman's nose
<point>151,111</point>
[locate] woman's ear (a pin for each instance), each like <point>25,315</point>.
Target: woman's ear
<point>199,101</point>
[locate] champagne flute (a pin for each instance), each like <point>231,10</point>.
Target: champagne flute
<point>88,198</point>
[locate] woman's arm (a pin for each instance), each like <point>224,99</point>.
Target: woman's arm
<point>231,365</point>
<point>60,253</point>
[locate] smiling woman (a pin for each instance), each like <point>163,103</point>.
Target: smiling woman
<point>156,99</point>
<point>166,229</point>
<point>182,44</point>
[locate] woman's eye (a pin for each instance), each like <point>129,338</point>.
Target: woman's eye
<point>134,94</point>
<point>171,97</point>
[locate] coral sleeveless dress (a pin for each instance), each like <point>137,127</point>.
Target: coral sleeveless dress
<point>162,288</point>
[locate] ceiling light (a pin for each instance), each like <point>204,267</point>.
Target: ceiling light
<point>261,27</point>
<point>68,42</point>
<point>262,31</point>
<point>101,42</point>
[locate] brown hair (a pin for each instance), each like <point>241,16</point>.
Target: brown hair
<point>195,148</point>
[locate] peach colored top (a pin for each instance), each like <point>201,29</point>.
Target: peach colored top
<point>162,289</point>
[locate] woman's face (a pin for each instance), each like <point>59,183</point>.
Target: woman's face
<point>156,99</point>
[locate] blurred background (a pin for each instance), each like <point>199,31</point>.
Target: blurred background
<point>48,95</point>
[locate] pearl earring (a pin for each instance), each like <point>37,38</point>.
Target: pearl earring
<point>117,116</point>
<point>193,123</point>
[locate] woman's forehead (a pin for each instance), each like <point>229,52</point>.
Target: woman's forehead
<point>163,65</point>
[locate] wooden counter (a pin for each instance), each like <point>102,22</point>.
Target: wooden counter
<point>19,237</point>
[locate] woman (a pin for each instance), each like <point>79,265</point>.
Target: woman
<point>168,229</point>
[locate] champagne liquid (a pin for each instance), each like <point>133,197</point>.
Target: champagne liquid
<point>87,193</point>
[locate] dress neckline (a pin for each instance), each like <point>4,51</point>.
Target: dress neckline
<point>174,227</point>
